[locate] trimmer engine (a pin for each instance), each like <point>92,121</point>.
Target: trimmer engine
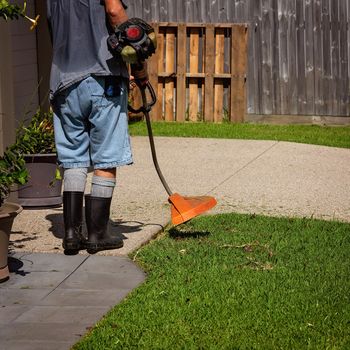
<point>134,40</point>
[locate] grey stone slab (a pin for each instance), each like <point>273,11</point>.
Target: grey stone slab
<point>79,315</point>
<point>102,281</point>
<point>33,332</point>
<point>35,345</point>
<point>82,297</point>
<point>44,262</point>
<point>110,264</point>
<point>19,296</point>
<point>36,280</point>
<point>9,313</point>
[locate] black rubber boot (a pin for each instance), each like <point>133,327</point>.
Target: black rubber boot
<point>73,222</point>
<point>97,217</point>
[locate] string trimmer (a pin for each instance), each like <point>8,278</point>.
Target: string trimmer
<point>136,35</point>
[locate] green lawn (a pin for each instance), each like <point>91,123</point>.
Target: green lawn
<point>311,134</point>
<point>237,281</point>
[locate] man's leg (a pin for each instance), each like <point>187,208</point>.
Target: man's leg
<point>97,212</point>
<point>73,195</point>
<point>72,144</point>
<point>109,148</point>
<point>103,183</point>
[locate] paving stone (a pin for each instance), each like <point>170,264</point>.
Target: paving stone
<point>110,264</point>
<point>81,297</point>
<point>13,296</point>
<point>53,297</point>
<point>33,332</point>
<point>102,281</point>
<point>36,280</point>
<point>63,314</point>
<point>49,262</point>
<point>35,345</point>
<point>10,312</point>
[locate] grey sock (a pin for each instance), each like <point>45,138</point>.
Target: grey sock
<point>75,179</point>
<point>102,186</point>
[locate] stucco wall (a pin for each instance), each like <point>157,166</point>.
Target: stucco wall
<point>6,88</point>
<point>24,65</point>
<point>18,74</point>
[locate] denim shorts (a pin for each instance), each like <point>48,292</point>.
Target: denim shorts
<point>91,126</point>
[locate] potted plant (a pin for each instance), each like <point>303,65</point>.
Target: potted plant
<point>37,143</point>
<point>13,11</point>
<point>12,172</point>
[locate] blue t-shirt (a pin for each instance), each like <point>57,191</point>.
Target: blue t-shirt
<point>79,31</point>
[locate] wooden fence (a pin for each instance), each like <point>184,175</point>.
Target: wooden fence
<point>298,50</point>
<point>190,76</point>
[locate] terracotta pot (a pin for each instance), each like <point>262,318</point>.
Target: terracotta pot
<point>42,190</point>
<point>8,212</point>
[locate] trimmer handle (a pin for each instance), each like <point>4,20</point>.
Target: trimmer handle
<point>147,105</point>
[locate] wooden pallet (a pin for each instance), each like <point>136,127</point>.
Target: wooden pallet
<point>199,72</point>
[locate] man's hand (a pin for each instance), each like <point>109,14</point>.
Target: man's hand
<point>116,13</point>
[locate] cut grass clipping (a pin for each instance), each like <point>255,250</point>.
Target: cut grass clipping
<point>310,134</point>
<point>237,282</point>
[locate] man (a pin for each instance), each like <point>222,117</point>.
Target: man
<point>89,96</point>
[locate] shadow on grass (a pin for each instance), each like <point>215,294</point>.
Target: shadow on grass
<point>186,232</point>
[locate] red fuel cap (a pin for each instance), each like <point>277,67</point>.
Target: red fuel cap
<point>134,33</point>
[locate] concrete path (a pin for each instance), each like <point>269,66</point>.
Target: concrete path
<point>52,300</point>
<point>262,177</point>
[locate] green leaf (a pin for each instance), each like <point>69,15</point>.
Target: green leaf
<point>58,175</point>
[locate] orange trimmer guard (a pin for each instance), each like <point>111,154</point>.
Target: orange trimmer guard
<point>186,208</point>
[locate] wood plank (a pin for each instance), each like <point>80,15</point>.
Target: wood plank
<point>193,107</point>
<point>283,56</point>
<point>199,25</point>
<point>292,60</point>
<point>209,73</point>
<point>335,56</point>
<point>214,11</point>
<point>318,55</point>
<point>181,74</point>
<point>223,11</point>
<point>146,11</point>
<point>158,110</point>
<point>169,67</point>
<point>327,62</point>
<point>153,75</point>
<point>251,78</point>
<point>256,35</point>
<point>195,75</point>
<point>309,59</point>
<point>266,28</point>
<point>300,51</point>
<point>162,9</point>
<point>136,8</point>
<point>238,69</point>
<point>275,69</point>
<point>348,42</point>
<point>344,96</point>
<point>219,68</point>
